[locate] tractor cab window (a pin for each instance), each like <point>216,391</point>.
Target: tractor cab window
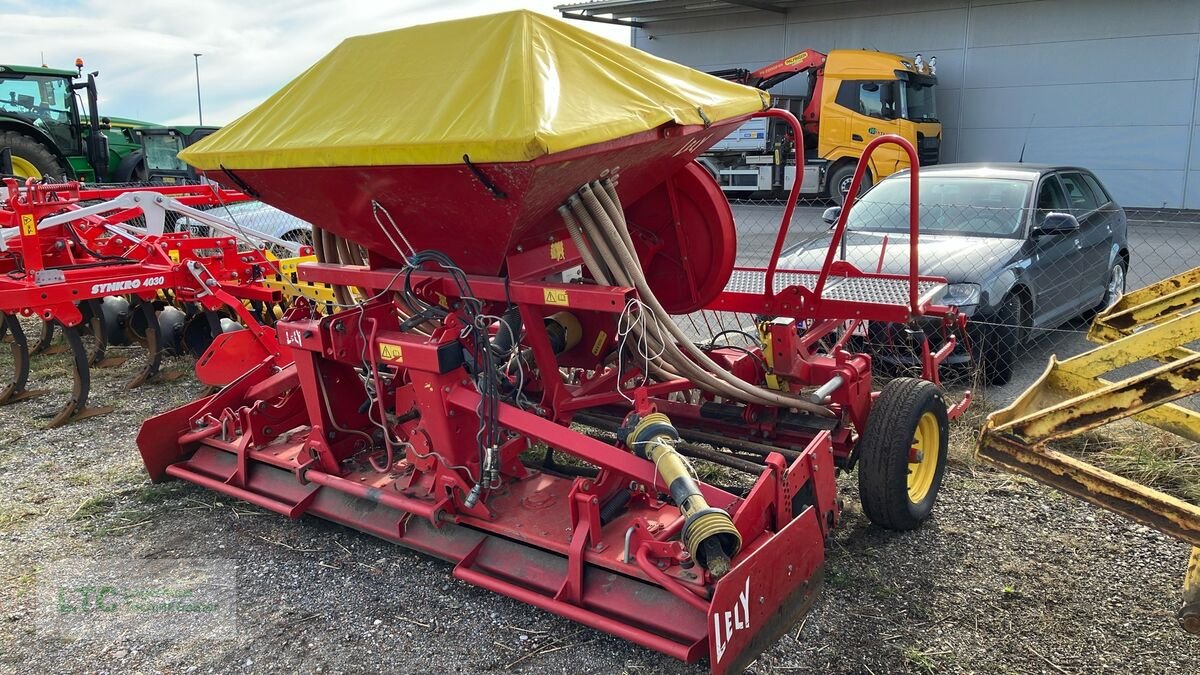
<point>161,151</point>
<point>870,98</point>
<point>46,102</point>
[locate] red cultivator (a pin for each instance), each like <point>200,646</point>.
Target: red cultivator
<point>430,412</point>
<point>82,259</point>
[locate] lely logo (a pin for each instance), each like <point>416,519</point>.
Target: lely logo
<point>127,285</point>
<point>732,620</point>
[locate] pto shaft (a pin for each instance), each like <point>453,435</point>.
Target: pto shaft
<point>708,533</point>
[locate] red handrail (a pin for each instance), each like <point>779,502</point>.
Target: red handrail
<point>798,135</point>
<point>914,206</point>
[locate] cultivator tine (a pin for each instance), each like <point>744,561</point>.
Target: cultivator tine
<point>153,339</point>
<point>45,342</point>
<point>76,406</point>
<point>97,356</point>
<point>15,390</point>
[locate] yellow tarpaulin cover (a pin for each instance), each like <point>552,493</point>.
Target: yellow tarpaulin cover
<point>502,88</point>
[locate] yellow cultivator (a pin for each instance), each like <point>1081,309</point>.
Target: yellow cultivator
<point>1153,324</point>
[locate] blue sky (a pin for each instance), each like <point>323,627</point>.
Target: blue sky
<point>250,48</point>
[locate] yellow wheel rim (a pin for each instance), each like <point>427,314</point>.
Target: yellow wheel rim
<point>923,457</point>
<point>24,168</point>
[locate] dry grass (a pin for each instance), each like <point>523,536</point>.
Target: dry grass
<point>1142,453</point>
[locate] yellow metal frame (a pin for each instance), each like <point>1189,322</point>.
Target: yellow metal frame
<point>1071,397</point>
<point>288,282</point>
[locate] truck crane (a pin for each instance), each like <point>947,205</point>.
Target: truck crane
<point>853,96</point>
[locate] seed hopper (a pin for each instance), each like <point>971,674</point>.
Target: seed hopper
<point>505,386</point>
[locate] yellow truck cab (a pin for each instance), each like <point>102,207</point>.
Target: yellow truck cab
<point>868,94</point>
<point>853,96</point>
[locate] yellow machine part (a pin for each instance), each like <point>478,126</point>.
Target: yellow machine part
<point>507,87</point>
<point>288,282</point>
<point>1071,397</point>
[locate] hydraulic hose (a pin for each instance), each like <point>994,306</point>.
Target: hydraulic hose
<point>601,218</point>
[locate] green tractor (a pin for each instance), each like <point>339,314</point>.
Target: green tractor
<point>45,134</point>
<point>161,147</point>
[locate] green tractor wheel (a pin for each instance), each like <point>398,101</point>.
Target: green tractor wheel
<point>31,159</point>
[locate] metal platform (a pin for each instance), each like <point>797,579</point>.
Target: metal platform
<point>866,289</point>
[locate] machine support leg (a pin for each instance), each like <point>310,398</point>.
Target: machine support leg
<point>1189,616</point>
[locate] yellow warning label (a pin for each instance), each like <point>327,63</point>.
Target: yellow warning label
<point>173,254</point>
<point>556,296</point>
<point>391,352</point>
<point>601,340</point>
<point>557,251</point>
<point>441,299</point>
<point>28,226</point>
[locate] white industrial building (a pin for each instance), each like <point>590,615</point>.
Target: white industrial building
<point>1107,84</point>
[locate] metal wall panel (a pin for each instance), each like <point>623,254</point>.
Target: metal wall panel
<point>1108,84</point>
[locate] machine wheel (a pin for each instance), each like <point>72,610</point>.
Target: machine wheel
<point>31,159</point>
<point>902,454</point>
<point>999,341</point>
<point>839,183</point>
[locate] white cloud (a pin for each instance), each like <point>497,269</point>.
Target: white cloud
<point>250,48</point>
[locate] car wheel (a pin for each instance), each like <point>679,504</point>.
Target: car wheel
<point>1114,288</point>
<point>839,183</point>
<point>302,237</point>
<point>998,340</point>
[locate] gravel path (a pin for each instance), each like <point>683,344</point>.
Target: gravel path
<point>1009,577</point>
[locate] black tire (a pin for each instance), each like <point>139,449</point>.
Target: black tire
<point>839,183</point>
<point>998,340</point>
<point>884,453</point>
<point>34,152</point>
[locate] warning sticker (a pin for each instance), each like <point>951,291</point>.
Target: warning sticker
<point>557,251</point>
<point>28,226</point>
<point>390,352</point>
<point>556,296</point>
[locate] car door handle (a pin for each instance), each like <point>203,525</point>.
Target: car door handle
<point>855,137</point>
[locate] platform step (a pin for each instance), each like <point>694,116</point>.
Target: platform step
<point>866,289</point>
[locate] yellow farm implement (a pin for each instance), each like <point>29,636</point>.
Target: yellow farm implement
<point>1073,396</point>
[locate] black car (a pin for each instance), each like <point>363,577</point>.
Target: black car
<point>1022,246</point>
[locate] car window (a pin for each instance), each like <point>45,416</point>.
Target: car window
<point>1097,189</point>
<point>1051,198</point>
<point>982,206</point>
<point>1080,195</point>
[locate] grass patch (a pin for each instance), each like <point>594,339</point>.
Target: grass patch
<point>156,493</point>
<point>13,515</point>
<point>923,661</point>
<point>93,506</point>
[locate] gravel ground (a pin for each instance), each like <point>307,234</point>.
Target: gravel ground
<point>1008,577</point>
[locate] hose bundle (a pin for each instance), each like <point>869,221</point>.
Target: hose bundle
<point>596,223</point>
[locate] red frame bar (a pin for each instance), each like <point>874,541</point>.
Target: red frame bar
<point>914,206</point>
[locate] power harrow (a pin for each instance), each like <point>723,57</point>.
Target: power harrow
<point>101,266</point>
<point>501,315</point>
